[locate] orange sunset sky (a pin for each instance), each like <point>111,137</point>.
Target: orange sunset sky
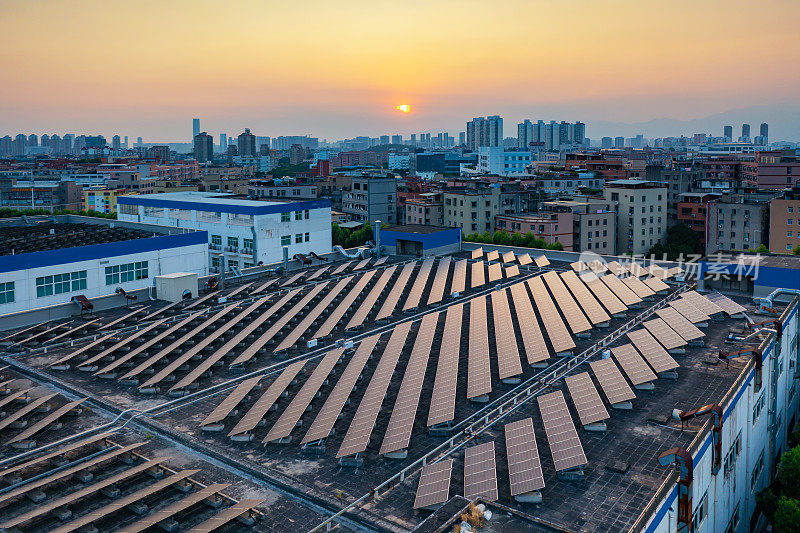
<point>339,68</point>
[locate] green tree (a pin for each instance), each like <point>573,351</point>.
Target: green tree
<point>796,250</point>
<point>787,516</point>
<point>788,478</point>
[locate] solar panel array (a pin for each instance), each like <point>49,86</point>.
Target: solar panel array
<point>532,338</point>
<point>401,422</point>
<point>439,281</point>
<point>419,284</point>
<point>657,272</point>
<point>565,445</point>
<point>389,304</point>
<point>492,256</point>
<point>294,278</point>
<point>366,306</point>
<point>638,287</point>
<point>656,284</point>
<point>495,272</point>
<point>478,276</point>
<point>655,354</point>
<point>509,257</point>
<point>308,320</point>
<point>341,268</point>
<point>524,259</point>
<point>363,263</point>
<point>477,253</point>
<point>357,437</point>
<point>479,378</point>
<point>702,303</point>
<point>586,398</point>
<point>319,272</point>
<point>636,269</point>
<point>443,399</point>
<point>434,484</point>
<point>524,465</point>
<point>335,317</point>
<point>579,266</point>
<point>633,364</point>
<point>627,296</point>
<point>590,305</point>
<point>459,277</point>
<point>332,408</point>
<point>508,363</point>
<point>611,381</point>
<point>730,307</point>
<point>604,295</point>
<point>480,472</point>
<point>597,266</point>
<point>689,311</point>
<point>617,269</point>
<point>572,311</point>
<point>680,324</point>
<point>665,334</point>
<point>231,401</point>
<point>556,330</point>
<point>512,271</point>
<point>381,261</point>
<point>542,261</point>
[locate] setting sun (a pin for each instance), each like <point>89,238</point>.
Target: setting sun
<point>405,108</point>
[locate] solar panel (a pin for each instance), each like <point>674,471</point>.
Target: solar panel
<point>329,413</point>
<point>219,520</point>
<point>586,399</point>
<point>84,349</point>
<point>341,268</point>
<point>689,311</point>
<point>264,286</point>
<point>638,287</point>
<point>443,398</point>
<point>308,320</point>
<point>200,346</point>
<point>381,261</point>
<point>27,409</point>
<point>674,271</point>
<point>572,312</point>
<point>144,346</point>
<point>25,392</point>
<point>335,317</point>
<point>122,319</point>
<point>627,296</point>
<point>655,354</point>
<point>479,378</point>
<point>495,272</point>
<point>389,304</point>
<point>357,437</point>
<point>588,303</point>
<point>656,284</point>
<point>439,280</point>
<point>477,253</point>
<point>22,331</point>
<point>124,501</point>
<point>480,472</point>
<point>294,278</point>
<point>565,445</point>
<point>239,338</point>
<point>597,266</point>
<point>665,334</point>
<point>508,364</point>
<point>239,289</point>
<point>525,259</point>
<point>196,303</point>
<point>256,413</point>
<point>579,266</point>
<point>459,277</point>
<point>366,306</point>
<point>542,261</point>
<point>163,310</point>
<point>556,330</point>
<point>319,272</point>
<point>636,269</point>
<point>512,271</point>
<point>524,465</point>
<point>73,497</point>
<point>434,484</point>
<point>284,319</point>
<point>532,338</point>
<point>291,415</point>
<point>127,339</point>
<point>617,269</point>
<point>492,256</point>
<point>419,284</point>
<point>633,364</point>
<point>164,514</point>
<point>604,295</point>
<point>181,341</point>
<point>401,422</point>
<point>70,331</point>
<point>730,307</point>
<point>680,324</point>
<point>40,460</point>
<point>702,303</point>
<point>231,401</point>
<point>477,277</point>
<point>611,381</point>
<point>509,257</point>
<point>657,272</point>
<point>362,264</point>
<point>44,422</point>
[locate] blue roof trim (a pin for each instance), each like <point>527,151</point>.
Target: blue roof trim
<point>765,276</point>
<point>13,263</point>
<point>662,511</point>
<point>268,209</point>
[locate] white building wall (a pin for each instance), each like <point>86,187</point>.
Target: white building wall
<point>192,258</point>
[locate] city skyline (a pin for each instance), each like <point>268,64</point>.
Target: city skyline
<point>227,71</point>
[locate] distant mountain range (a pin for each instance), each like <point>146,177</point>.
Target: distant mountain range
<point>784,124</point>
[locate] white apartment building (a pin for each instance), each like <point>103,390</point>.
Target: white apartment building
<point>241,232</point>
<point>496,160</point>
<point>641,213</point>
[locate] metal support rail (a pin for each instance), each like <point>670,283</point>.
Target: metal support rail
<point>502,407</point>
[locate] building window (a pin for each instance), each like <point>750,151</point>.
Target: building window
<point>298,238</point>
<point>233,242</point>
<point>127,272</point>
<point>233,264</point>
<point>286,217</point>
<point>700,512</point>
<point>215,262</point>
<point>307,237</point>
<point>286,240</point>
<point>7,292</point>
<point>248,243</point>
<point>298,215</point>
<point>60,283</point>
<point>758,406</point>
<point>307,214</point>
<point>236,219</point>
<point>757,467</point>
<point>180,214</point>
<point>216,239</point>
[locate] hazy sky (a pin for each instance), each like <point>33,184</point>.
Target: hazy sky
<point>339,68</point>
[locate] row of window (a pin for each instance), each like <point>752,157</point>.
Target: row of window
<point>233,242</point>
<point>298,215</point>
<point>128,272</point>
<point>60,283</point>
<point>286,240</point>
